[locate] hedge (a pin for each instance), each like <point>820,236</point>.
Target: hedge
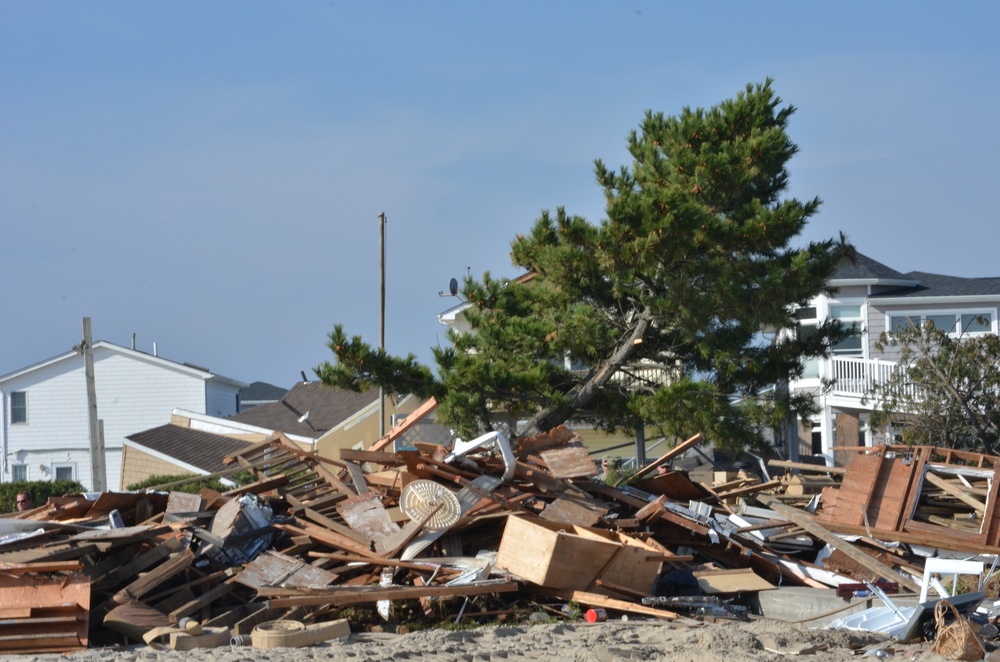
<point>193,487</point>
<point>40,491</point>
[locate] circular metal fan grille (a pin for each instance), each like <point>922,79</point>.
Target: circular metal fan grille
<point>421,497</point>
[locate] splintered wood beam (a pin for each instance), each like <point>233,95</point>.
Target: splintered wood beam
<point>954,491</point>
<point>748,489</point>
<point>343,596</point>
<point>807,522</point>
<point>669,455</point>
<point>803,466</point>
<point>410,421</point>
<point>598,600</point>
<point>41,566</point>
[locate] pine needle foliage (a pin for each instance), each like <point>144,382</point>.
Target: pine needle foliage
<point>692,261</point>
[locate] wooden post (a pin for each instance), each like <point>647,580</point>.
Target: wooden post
<point>381,317</point>
<point>98,469</point>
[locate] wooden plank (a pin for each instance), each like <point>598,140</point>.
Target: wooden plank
<point>391,546</point>
<point>805,466</point>
<point>336,526</point>
<point>272,568</point>
<point>344,596</point>
<point>807,522</point>
<point>40,566</point>
<point>674,485</point>
<point>572,461</point>
<point>357,477</point>
<point>894,482</point>
<point>736,580</point>
<point>590,599</point>
<point>411,420</point>
<point>144,585</point>
<point>326,536</point>
<point>749,489</point>
<point>574,510</point>
<point>59,612</point>
<point>261,486</point>
<point>134,619</point>
<point>205,599</point>
<point>366,515</point>
<point>954,491</point>
<point>853,496</point>
<point>183,502</point>
<point>374,457</point>
<point>669,455</point>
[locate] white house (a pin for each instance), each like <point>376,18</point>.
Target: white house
<point>45,425</point>
<point>875,298</point>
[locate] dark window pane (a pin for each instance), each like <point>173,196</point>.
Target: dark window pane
<point>18,407</point>
<point>944,322</point>
<point>981,323</point>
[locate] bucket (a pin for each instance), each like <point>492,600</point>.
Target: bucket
<point>596,615</point>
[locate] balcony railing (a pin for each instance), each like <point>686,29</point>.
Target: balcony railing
<point>854,377</point>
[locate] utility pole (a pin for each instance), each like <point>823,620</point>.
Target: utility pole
<point>381,318</point>
<point>98,470</point>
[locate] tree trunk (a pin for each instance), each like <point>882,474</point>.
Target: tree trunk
<point>548,418</point>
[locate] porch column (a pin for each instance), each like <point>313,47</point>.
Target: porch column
<point>826,432</point>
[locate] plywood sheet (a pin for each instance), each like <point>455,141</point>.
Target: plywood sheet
<point>276,569</point>
<point>571,510</point>
<point>572,461</point>
<point>366,515</point>
<point>738,580</point>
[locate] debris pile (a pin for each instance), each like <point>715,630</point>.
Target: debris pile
<point>489,530</point>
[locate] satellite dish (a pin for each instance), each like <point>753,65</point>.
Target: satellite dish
<point>453,286</point>
<point>421,497</point>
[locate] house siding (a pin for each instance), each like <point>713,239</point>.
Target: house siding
<point>137,466</point>
<point>852,292</point>
<point>134,391</point>
<point>220,398</point>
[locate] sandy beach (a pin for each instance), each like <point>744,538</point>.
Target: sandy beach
<point>764,640</point>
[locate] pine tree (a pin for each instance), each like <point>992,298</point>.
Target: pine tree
<point>692,262</point>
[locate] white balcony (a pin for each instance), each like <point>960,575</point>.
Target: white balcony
<point>854,377</point>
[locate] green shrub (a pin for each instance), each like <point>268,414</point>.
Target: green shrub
<point>193,483</point>
<point>40,491</point>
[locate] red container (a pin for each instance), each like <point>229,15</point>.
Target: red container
<point>596,615</point>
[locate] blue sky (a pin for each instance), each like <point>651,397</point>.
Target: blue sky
<point>208,176</point>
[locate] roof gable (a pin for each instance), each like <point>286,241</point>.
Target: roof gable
<point>864,268</point>
<point>202,450</point>
<point>105,346</point>
<point>308,409</point>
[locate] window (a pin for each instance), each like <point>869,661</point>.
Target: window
<point>953,323</point>
<point>972,323</point>
<point>19,472</point>
<point>850,316</point>
<point>64,471</point>
<point>18,407</point>
<point>808,323</point>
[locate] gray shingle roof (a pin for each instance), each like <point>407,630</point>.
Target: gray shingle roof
<point>200,449</point>
<point>865,269</point>
<point>937,285</point>
<point>327,406</point>
<point>262,391</point>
